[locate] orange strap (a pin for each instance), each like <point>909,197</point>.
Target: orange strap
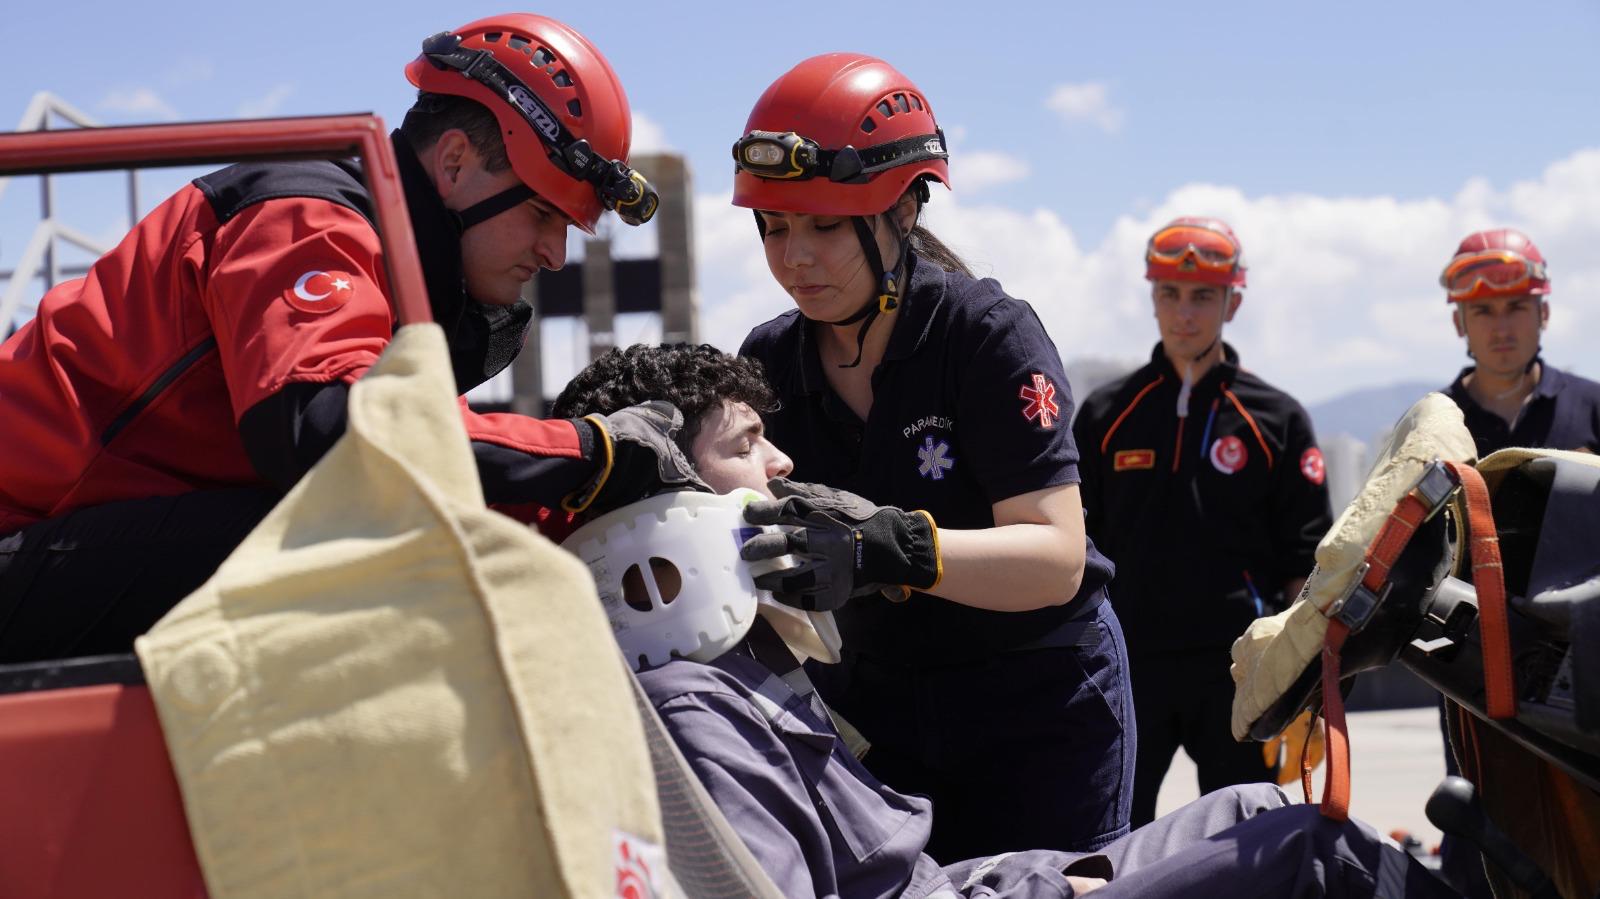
<point>1488,578</point>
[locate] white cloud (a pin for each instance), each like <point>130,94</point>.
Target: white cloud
<point>648,136</point>
<point>979,169</point>
<point>1088,102</point>
<point>267,104</point>
<point>138,102</point>
<point>1343,291</point>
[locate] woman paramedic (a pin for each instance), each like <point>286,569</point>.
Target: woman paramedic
<point>981,659</point>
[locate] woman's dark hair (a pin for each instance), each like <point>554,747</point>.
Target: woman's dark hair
<point>433,114</point>
<point>696,379</point>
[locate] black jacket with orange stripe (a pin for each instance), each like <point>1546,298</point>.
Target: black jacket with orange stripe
<point>1207,514</point>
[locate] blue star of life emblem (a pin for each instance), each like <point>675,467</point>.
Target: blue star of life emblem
<point>935,458</point>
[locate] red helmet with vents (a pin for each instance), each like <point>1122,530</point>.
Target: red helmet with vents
<point>577,106</point>
<point>838,134</point>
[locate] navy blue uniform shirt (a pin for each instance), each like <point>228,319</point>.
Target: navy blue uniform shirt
<point>1563,413</point>
<point>970,407</point>
<point>1207,515</point>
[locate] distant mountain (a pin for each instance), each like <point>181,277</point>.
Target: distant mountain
<point>1366,414</point>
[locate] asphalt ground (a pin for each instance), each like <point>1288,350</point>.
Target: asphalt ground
<point>1396,759</point>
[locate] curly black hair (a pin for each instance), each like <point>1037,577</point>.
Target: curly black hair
<point>696,379</point>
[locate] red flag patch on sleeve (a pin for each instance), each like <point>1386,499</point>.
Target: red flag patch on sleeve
<point>319,291</point>
<point>1312,466</point>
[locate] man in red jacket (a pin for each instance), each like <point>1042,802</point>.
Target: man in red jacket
<point>156,409</point>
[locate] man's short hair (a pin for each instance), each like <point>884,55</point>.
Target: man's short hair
<point>433,114</point>
<point>696,379</point>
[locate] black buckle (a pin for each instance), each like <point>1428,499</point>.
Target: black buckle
<point>1357,606</point>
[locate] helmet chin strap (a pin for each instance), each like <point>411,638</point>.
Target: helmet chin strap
<point>486,209</point>
<point>887,298</point>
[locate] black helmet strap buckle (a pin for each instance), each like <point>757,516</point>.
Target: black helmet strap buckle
<point>619,187</point>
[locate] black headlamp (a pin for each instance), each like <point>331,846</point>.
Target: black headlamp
<point>787,156</point>
<point>619,187</point>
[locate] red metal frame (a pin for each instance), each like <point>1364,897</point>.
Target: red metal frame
<point>200,143</point>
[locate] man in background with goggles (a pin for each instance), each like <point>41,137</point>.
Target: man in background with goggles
<point>155,410</point>
<point>1205,484</point>
<point>1497,285</point>
<point>1498,288</point>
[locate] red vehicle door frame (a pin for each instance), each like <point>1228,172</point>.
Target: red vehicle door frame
<point>89,805</point>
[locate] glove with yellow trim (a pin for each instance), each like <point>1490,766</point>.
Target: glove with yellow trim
<point>639,457</point>
<point>847,546</point>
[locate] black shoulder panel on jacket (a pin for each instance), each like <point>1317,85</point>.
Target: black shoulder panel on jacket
<point>238,187</point>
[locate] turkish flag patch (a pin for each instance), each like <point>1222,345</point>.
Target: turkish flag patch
<point>319,291</point>
<point>1311,465</point>
<point>1133,460</point>
<point>1228,454</point>
<point>1039,402</point>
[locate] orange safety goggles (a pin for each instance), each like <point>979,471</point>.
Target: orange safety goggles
<point>1492,273</point>
<point>1188,247</point>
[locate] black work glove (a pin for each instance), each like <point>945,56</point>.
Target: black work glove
<point>846,545</point>
<point>639,456</point>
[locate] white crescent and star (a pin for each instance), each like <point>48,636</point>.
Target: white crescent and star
<point>337,285</point>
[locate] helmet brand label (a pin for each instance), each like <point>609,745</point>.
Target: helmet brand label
<point>535,112</point>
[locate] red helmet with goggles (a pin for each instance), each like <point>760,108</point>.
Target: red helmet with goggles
<point>1501,262</point>
<point>561,109</point>
<point>838,134</point>
<point>1195,249</point>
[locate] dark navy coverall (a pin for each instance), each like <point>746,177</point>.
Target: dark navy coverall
<point>1028,712</point>
<point>821,825</point>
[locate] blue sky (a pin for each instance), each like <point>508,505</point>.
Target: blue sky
<point>1075,127</point>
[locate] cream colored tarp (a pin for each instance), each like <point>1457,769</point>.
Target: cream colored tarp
<point>350,702</point>
<point>1273,651</point>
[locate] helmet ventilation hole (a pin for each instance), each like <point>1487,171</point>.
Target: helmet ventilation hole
<point>543,57</point>
<point>574,107</point>
<point>518,42</point>
<point>668,581</point>
<point>868,125</point>
<point>885,109</point>
<point>562,79</point>
<point>901,104</point>
<point>492,37</point>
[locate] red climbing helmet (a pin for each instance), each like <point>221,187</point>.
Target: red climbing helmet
<point>562,111</point>
<point>1195,249</point>
<point>1501,262</point>
<point>838,134</point>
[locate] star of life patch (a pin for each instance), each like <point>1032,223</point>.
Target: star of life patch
<point>934,459</point>
<point>1040,402</point>
<point>1313,467</point>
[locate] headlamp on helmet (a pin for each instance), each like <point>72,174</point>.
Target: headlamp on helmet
<point>786,156</point>
<point>618,187</point>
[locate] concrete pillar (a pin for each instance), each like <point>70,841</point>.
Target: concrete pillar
<point>674,221</point>
<point>599,297</point>
<point>527,370</point>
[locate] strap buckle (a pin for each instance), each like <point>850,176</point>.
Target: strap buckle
<point>1358,604</point>
<point>1435,487</point>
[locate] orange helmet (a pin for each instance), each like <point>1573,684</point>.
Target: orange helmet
<point>838,134</point>
<point>562,111</point>
<point>1501,262</point>
<point>1195,249</point>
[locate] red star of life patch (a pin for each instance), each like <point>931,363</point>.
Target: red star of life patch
<point>1041,402</point>
<point>319,291</point>
<point>1312,466</point>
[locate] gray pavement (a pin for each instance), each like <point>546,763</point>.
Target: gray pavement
<point>1396,759</point>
